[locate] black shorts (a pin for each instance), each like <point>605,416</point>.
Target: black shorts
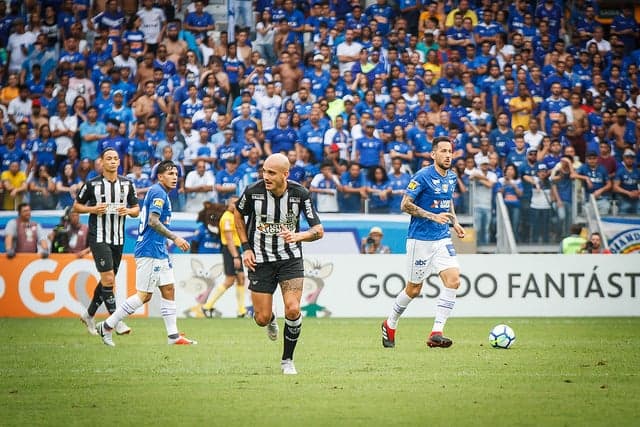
<point>107,257</point>
<point>227,259</point>
<point>265,278</point>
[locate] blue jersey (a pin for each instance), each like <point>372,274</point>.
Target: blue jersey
<point>150,243</point>
<point>501,141</point>
<point>282,139</point>
<point>8,156</point>
<point>433,193</point>
<point>313,138</point>
<point>225,179</point>
<point>398,183</point>
<point>141,151</point>
<point>369,150</point>
<point>628,179</point>
<point>350,202</point>
<point>598,176</point>
<point>208,243</point>
<point>46,153</point>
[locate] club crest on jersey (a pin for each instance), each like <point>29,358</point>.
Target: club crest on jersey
<point>413,185</point>
<point>445,187</point>
<point>158,203</point>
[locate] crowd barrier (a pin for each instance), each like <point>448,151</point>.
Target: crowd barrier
<point>348,286</point>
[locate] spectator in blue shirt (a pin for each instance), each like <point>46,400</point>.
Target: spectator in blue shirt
<point>379,189</point>
<point>596,181</point>
<point>312,135</point>
<point>91,132</point>
<point>354,189</point>
<point>282,138</point>
<point>626,185</point>
<point>369,149</point>
<point>199,22</point>
<point>45,149</point>
<point>398,181</point>
<point>228,180</point>
<point>383,14</point>
<point>140,150</point>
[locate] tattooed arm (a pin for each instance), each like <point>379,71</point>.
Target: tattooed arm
<point>408,205</point>
<point>159,227</point>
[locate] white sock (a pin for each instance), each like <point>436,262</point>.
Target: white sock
<point>168,312</point>
<point>399,306</point>
<point>125,309</point>
<point>444,307</point>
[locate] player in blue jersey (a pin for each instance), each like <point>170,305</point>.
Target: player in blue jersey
<point>429,201</point>
<point>153,268</point>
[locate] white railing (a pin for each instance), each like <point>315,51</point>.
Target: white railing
<point>505,239</point>
<point>594,221</point>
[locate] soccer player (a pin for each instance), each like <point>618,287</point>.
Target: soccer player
<point>108,199</point>
<point>428,199</point>
<point>153,268</point>
<point>272,248</point>
<point>232,261</point>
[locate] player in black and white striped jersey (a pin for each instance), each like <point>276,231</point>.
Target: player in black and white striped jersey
<point>108,199</point>
<point>272,248</point>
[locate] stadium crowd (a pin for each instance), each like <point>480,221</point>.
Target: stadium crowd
<point>536,96</point>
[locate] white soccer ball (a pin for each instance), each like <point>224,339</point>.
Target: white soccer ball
<point>502,336</point>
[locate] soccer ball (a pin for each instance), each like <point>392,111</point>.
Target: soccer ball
<point>502,336</point>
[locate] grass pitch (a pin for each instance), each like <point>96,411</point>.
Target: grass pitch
<point>569,372</point>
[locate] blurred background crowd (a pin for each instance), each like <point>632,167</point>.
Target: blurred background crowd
<point>540,99</point>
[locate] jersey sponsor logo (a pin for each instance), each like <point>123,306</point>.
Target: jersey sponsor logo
<point>441,204</point>
<point>294,199</point>
<point>274,228</point>
<point>308,208</point>
<point>257,197</point>
<point>413,185</point>
<point>420,262</point>
<point>269,227</point>
<point>158,203</point>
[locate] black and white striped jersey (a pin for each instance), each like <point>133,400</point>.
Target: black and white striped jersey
<point>267,214</point>
<point>107,228</point>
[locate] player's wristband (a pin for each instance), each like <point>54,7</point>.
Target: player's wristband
<point>246,246</point>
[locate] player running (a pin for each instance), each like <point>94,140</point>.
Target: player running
<point>428,199</point>
<point>153,268</point>
<point>272,244</point>
<point>108,199</point>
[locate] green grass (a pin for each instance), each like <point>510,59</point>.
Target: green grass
<point>574,372</point>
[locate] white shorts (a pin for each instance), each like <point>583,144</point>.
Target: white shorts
<point>429,256</point>
<point>152,273</point>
